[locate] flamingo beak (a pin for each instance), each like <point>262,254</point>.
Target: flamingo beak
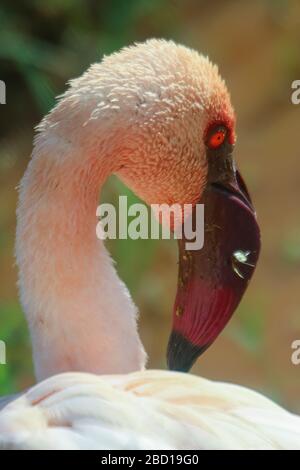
<point>212,280</point>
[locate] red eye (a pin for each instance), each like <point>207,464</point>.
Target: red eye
<point>217,138</point>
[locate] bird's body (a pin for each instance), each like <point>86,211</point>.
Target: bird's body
<point>6,399</point>
<point>159,116</point>
<point>145,410</point>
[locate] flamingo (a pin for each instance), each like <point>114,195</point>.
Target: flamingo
<point>159,116</point>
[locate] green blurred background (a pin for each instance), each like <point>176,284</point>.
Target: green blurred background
<point>256,44</point>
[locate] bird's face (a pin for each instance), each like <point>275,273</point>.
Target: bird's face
<point>184,154</point>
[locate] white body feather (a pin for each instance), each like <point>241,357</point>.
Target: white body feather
<point>145,410</point>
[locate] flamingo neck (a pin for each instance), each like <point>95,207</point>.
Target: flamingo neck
<point>80,314</point>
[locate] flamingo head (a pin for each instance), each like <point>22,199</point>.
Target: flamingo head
<point>191,148</point>
<point>174,135</point>
<point>187,129</point>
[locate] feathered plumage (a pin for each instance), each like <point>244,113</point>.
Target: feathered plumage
<point>145,410</point>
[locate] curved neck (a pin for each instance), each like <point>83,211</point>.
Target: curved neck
<point>80,314</point>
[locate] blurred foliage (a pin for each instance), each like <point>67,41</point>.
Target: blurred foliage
<point>291,248</point>
<point>249,330</point>
<point>15,335</point>
<point>44,44</point>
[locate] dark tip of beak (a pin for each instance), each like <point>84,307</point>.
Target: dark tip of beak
<point>182,353</point>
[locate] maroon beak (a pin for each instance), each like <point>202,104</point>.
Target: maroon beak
<point>212,280</point>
